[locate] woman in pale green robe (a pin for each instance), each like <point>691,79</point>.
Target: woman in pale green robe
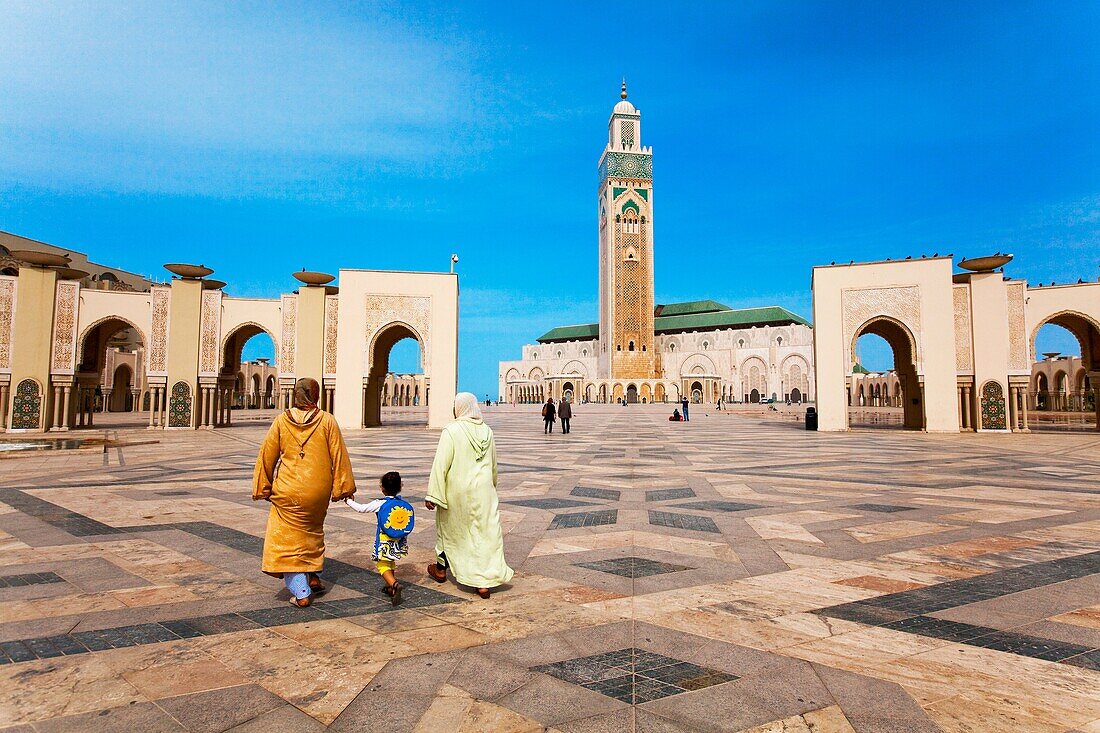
<point>463,491</point>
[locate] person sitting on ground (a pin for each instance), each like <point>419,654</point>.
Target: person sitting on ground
<point>395,524</point>
<point>675,416</point>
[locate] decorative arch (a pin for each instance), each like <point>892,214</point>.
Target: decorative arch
<point>379,346</point>
<point>1084,328</point>
<point>535,375</point>
<point>237,337</point>
<point>687,367</point>
<point>575,367</point>
<point>127,323</point>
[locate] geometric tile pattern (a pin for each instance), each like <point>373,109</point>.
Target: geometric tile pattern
<point>15,581</point>
<point>634,675</point>
<point>632,567</point>
<point>595,493</point>
<point>719,506</point>
<point>881,508</point>
<point>585,519</point>
<point>875,580</point>
<point>668,494</point>
<point>682,521</point>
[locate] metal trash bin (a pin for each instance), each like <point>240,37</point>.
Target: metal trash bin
<point>811,418</point>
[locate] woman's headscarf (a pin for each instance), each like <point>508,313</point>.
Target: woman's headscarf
<point>467,407</point>
<point>306,393</point>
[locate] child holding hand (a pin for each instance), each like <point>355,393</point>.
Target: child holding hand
<point>395,524</point>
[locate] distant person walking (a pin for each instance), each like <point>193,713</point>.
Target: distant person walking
<point>684,405</point>
<point>549,413</point>
<point>565,413</point>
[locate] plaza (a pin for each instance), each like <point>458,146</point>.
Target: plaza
<point>732,573</point>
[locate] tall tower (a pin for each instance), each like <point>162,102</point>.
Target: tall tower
<point>625,204</point>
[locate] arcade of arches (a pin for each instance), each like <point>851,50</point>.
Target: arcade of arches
<point>174,351</point>
<point>980,374</point>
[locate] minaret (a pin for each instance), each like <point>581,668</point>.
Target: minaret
<point>625,206</point>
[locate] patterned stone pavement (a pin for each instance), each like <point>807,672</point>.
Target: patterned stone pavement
<point>732,573</point>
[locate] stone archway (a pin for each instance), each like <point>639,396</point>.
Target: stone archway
<point>378,355</point>
<point>1055,395</point>
<point>632,394</point>
<point>903,345</point>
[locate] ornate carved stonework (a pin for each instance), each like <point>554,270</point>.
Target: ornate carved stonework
<point>158,348</point>
<point>413,310</point>
<point>1017,330</point>
<point>26,413</point>
<point>7,321</point>
<point>332,306</point>
<point>66,301</point>
<point>209,333</point>
<point>179,406</point>
<point>963,351</point>
<point>289,345</point>
<point>902,303</point>
<point>993,406</point>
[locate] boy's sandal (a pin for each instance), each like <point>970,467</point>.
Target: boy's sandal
<point>302,602</point>
<point>394,592</point>
<point>316,587</point>
<point>437,573</point>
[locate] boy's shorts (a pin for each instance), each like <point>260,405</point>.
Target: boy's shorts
<point>385,565</point>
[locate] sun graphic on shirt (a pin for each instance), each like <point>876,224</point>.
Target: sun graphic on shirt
<point>399,518</point>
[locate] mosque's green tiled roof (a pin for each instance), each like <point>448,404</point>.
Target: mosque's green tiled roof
<point>771,315</point>
<point>700,315</point>
<point>585,332</point>
<point>858,368</point>
<point>690,308</point>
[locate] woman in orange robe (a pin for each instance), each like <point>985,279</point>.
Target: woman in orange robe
<point>302,466</point>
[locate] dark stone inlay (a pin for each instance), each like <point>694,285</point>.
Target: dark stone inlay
<point>633,567</point>
<point>669,494</point>
<point>75,524</point>
<point>173,493</point>
<point>1091,660</point>
<point>594,493</point>
<point>17,581</point>
<point>585,519</point>
<point>908,610</point>
<point>719,506</point>
<point>683,521</point>
<point>634,675</point>
<point>883,508</point>
<point>25,650</point>
<point>549,503</point>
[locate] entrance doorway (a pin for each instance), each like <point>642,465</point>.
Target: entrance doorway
<point>889,347</point>
<point>400,344</point>
<point>632,394</point>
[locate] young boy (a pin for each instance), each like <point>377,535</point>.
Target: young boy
<point>395,524</point>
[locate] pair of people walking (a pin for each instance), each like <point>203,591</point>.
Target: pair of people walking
<point>303,466</point>
<point>563,412</point>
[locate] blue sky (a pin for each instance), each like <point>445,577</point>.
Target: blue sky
<point>263,138</point>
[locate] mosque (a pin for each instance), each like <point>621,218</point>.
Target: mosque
<point>641,351</point>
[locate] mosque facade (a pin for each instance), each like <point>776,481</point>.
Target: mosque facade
<point>642,351</point>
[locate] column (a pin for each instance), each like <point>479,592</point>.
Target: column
<point>3,407</point>
<point>1013,395</point>
<point>164,406</point>
<point>57,405</point>
<point>152,407</point>
<point>968,422</point>
<point>136,395</point>
<point>80,407</point>
<point>65,407</point>
<point>229,410</point>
